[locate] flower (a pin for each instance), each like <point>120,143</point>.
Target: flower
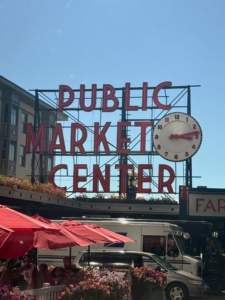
<point>6,293</point>
<point>97,285</point>
<point>25,184</point>
<point>148,275</point>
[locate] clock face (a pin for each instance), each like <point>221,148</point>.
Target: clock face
<point>177,136</point>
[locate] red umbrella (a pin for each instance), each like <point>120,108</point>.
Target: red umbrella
<point>111,234</point>
<point>4,233</point>
<point>20,222</point>
<point>20,239</point>
<point>59,239</point>
<point>15,244</point>
<point>91,232</point>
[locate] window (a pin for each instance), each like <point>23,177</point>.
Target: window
<point>23,122</point>
<point>143,260</point>
<point>4,145</point>
<point>50,133</point>
<point>154,244</point>
<point>6,113</point>
<point>93,259</point>
<point>117,260</point>
<point>22,156</point>
<point>14,116</point>
<point>12,151</point>
<point>49,164</point>
<point>172,249</point>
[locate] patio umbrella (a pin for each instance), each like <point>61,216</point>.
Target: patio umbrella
<point>111,234</point>
<point>60,239</point>
<point>15,244</point>
<point>88,232</point>
<point>20,238</point>
<point>17,221</point>
<point>94,232</point>
<point>4,233</point>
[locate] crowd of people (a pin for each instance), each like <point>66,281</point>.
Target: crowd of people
<point>25,275</point>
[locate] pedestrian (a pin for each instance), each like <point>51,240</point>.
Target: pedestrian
<point>6,278</point>
<point>18,280</point>
<point>27,269</point>
<point>43,268</point>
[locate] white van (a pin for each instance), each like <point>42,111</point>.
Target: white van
<point>161,238</point>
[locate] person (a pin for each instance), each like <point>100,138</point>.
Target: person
<point>172,249</point>
<point>43,268</point>
<point>6,277</point>
<point>3,263</point>
<point>68,265</point>
<point>11,262</point>
<point>27,269</point>
<point>67,262</point>
<point>158,249</point>
<point>67,279</point>
<point>57,273</point>
<point>18,280</point>
<point>37,279</point>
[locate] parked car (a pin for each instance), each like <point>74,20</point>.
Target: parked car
<point>180,284</point>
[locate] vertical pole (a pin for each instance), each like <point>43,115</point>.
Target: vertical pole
<point>41,178</point>
<point>70,257</point>
<point>189,160</point>
<point>123,157</point>
<point>89,248</point>
<point>35,131</point>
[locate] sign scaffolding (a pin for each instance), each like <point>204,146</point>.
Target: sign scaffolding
<point>107,143</point>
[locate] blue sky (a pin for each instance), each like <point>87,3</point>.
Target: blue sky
<point>47,43</point>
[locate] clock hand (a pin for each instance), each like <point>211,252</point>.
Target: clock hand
<point>185,136</point>
<point>178,136</point>
<point>189,133</point>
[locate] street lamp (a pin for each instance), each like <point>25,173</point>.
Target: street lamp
<point>132,185</point>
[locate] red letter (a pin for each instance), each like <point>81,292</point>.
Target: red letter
<point>219,204</point>
<point>155,95</point>
<point>52,174</point>
<point>210,206</point>
<point>143,126</point>
<point>168,183</point>
<point>62,89</point>
<point>197,203</point>
<point>110,96</point>
<point>100,137</point>
<point>77,178</point>
<point>93,98</point>
<point>120,139</point>
<point>142,179</point>
<point>127,98</point>
<point>145,96</point>
<point>97,176</point>
<point>58,133</point>
<point>39,139</point>
<point>79,143</point>
<point>124,168</point>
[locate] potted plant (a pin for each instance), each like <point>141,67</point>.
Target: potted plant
<point>96,285</point>
<point>147,282</point>
<point>6,293</point>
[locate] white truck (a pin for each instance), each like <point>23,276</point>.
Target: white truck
<point>162,238</point>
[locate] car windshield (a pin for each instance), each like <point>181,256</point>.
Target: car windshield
<point>163,263</point>
<point>184,245</point>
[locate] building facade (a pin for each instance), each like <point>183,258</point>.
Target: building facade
<point>17,108</point>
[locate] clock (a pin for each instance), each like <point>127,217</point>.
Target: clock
<point>177,136</point>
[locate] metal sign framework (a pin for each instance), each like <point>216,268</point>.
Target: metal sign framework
<point>178,96</point>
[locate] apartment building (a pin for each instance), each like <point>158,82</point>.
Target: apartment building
<point>17,108</point>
